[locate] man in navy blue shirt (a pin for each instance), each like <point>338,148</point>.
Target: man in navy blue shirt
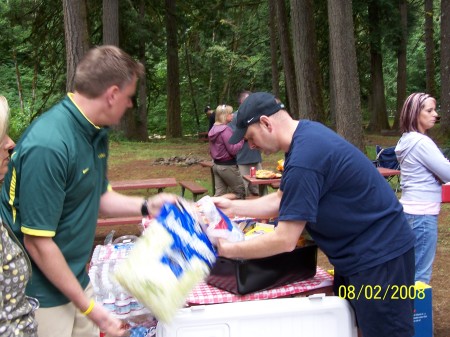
<point>334,191</point>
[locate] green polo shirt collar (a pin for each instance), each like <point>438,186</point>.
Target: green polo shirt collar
<point>86,125</point>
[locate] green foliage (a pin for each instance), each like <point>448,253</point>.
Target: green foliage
<point>31,59</point>
<point>223,49</point>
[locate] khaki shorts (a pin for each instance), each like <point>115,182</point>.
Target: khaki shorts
<point>244,169</point>
<point>66,320</point>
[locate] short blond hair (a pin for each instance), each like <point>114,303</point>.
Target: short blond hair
<point>103,67</point>
<point>222,111</point>
<point>4,116</point>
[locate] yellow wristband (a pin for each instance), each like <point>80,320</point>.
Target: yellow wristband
<point>89,309</point>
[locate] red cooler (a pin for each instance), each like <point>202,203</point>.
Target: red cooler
<point>446,193</point>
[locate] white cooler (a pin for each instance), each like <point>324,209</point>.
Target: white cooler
<point>314,316</point>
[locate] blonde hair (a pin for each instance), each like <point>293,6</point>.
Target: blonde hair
<point>222,111</point>
<point>4,116</point>
<point>103,67</point>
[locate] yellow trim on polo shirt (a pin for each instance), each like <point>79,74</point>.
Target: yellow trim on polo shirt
<point>37,232</point>
<point>70,95</point>
<point>12,194</point>
<point>109,188</point>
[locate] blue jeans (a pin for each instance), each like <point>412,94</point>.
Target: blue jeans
<point>425,230</point>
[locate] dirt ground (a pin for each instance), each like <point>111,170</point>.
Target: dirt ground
<point>139,169</point>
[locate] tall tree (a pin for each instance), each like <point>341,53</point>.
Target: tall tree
<point>429,49</point>
<point>173,129</point>
<point>307,72</point>
<point>191,86</point>
<point>377,98</point>
<point>111,22</point>
<point>345,99</point>
<point>401,62</point>
<point>110,36</point>
<point>445,66</point>
<point>76,36</point>
<point>286,56</point>
<point>274,49</point>
<point>139,130</point>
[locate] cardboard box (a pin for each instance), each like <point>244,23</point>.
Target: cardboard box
<point>423,311</point>
<point>314,316</point>
<point>246,276</point>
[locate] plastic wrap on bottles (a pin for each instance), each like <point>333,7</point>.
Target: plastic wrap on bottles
<point>167,261</point>
<point>216,224</point>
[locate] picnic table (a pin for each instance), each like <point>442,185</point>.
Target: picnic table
<point>144,184</point>
<point>386,172</point>
<point>262,183</point>
<point>204,293</point>
<point>390,175</point>
<point>210,164</point>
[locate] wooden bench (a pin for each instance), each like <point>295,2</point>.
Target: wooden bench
<point>195,188</point>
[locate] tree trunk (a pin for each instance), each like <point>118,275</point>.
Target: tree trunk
<point>401,62</point>
<point>111,22</point>
<point>445,66</point>
<point>429,48</point>
<point>344,74</point>
<point>191,86</point>
<point>377,106</point>
<point>140,122</point>
<point>76,36</point>
<point>134,123</point>
<point>274,49</point>
<point>286,56</point>
<point>173,129</point>
<point>308,76</point>
<point>34,83</point>
<point>18,80</point>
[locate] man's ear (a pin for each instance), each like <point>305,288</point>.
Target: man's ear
<point>111,94</point>
<point>265,122</point>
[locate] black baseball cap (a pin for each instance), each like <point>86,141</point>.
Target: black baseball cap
<point>256,105</point>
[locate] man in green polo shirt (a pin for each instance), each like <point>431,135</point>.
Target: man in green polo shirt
<point>57,185</point>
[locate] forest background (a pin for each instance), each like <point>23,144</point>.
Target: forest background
<point>348,64</point>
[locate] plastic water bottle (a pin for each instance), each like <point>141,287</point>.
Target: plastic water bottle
<point>109,297</point>
<point>109,301</point>
<point>135,305</point>
<point>123,303</point>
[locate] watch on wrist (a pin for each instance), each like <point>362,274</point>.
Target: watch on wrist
<point>144,208</point>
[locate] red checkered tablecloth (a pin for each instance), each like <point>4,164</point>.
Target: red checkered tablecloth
<point>206,294</point>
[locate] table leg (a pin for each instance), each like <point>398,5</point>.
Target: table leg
<point>212,182</point>
<point>262,190</point>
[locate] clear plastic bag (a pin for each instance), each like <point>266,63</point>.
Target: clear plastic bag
<point>216,224</point>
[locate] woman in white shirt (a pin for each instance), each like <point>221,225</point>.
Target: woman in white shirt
<point>423,171</point>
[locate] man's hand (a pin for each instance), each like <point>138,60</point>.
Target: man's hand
<point>106,322</point>
<point>156,202</point>
<point>224,204</point>
<point>222,246</point>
